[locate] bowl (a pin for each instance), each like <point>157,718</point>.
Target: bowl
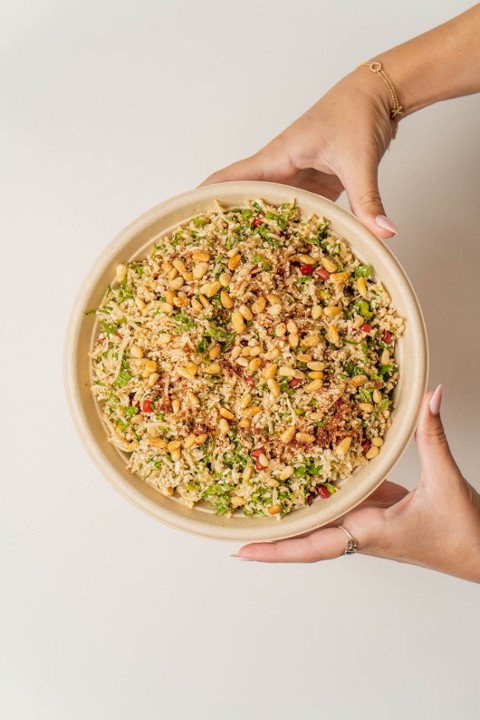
<point>134,242</point>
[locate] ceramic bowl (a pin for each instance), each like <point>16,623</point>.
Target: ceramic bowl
<point>134,242</point>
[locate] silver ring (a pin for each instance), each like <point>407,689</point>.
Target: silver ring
<point>352,544</point>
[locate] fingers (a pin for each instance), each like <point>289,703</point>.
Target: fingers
<point>361,185</point>
<point>272,163</point>
<point>435,456</point>
<point>319,545</point>
<point>249,169</point>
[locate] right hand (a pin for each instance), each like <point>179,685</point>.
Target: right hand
<point>336,145</point>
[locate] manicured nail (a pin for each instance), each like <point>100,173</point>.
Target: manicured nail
<point>383,222</point>
<point>240,557</point>
<point>436,401</point>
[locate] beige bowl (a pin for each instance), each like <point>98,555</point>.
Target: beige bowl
<point>135,242</point>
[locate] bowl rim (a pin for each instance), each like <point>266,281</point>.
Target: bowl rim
<point>191,521</point>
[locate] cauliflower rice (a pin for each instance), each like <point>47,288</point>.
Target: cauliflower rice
<point>247,362</point>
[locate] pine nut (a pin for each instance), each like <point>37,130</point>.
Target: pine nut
<point>213,288</point>
<point>288,434</point>
<point>344,446</point>
<point>172,274</point>
<point>238,322</point>
<point>272,354</point>
<point>177,283</point>
<point>189,441</point>
<point>304,357</point>
<point>316,375</point>
<point>205,303</point>
<point>285,371</point>
<point>270,371</point>
<point>274,509</point>
<point>293,341</point>
<point>377,441</point>
<point>329,265</point>
<point>136,351</point>
<point>152,379</point>
<point>274,310</point>
<point>332,334</point>
<point>201,438</point>
<point>304,437</point>
<point>259,306</point>
<point>175,406</point>
<point>191,368</point>
<point>166,307</point>
<point>246,312</point>
<point>120,272</point>
<point>237,501</point>
<point>358,322</point>
<point>234,262</point>
<point>280,330</point>
<point>192,398</point>
<point>149,367</point>
<point>245,401</point>
<point>141,305</point>
<point>244,423</point>
<point>197,306</point>
<point>316,365</point>
<point>338,278</point>
<point>274,300</point>
<point>362,286</point>
<point>251,411</point>
<point>236,352</point>
<point>307,259</point>
<point>226,300</point>
<point>247,473</point>
<point>180,266</point>
<point>228,414</point>
<point>317,416</point>
<point>332,310</point>
<point>214,352</point>
<point>385,359</point>
<point>224,279</point>
<point>212,369</point>
<point>169,296</point>
<point>365,407</point>
<point>358,380</point>
<point>274,387</point>
<point>373,452</point>
<point>223,426</point>
<point>286,472</point>
<point>174,445</point>
<point>313,386</point>
<point>242,361</point>
<point>311,341</point>
<point>377,396</point>
<point>175,454</point>
<point>317,312</point>
<point>254,364</point>
<point>292,327</point>
<point>256,350</point>
<point>156,442</point>
<point>199,270</point>
<point>181,301</point>
<point>200,255</point>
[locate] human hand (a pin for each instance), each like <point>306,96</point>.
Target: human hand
<point>336,145</point>
<point>437,525</point>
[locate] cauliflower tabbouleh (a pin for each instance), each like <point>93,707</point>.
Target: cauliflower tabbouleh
<point>248,361</point>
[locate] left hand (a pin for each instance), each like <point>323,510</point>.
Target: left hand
<point>437,525</point>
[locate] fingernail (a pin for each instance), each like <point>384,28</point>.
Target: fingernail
<point>436,401</point>
<point>383,222</point>
<point>240,557</point>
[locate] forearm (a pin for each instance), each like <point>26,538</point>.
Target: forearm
<point>441,64</point>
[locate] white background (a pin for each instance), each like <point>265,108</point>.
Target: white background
<point>109,108</point>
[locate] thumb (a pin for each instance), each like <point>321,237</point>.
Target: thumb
<point>433,449</point>
<point>361,185</point>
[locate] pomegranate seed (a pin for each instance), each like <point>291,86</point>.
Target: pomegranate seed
<point>295,382</point>
<point>366,328</point>
<point>387,337</point>
<point>257,222</point>
<point>366,445</point>
<point>307,269</point>
<point>147,406</point>
<point>281,271</point>
<point>257,452</point>
<point>249,380</point>
<point>323,492</point>
<point>323,274</point>
<point>310,498</point>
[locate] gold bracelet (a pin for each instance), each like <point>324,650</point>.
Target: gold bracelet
<point>396,110</point>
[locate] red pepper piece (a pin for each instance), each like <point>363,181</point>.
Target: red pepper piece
<point>294,382</point>
<point>147,406</point>
<point>249,380</point>
<point>257,452</point>
<point>323,492</point>
<point>323,274</point>
<point>366,328</point>
<point>307,269</point>
<point>257,222</point>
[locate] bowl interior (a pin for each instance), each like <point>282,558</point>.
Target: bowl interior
<point>136,241</point>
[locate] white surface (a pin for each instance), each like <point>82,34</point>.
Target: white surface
<point>108,108</point>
